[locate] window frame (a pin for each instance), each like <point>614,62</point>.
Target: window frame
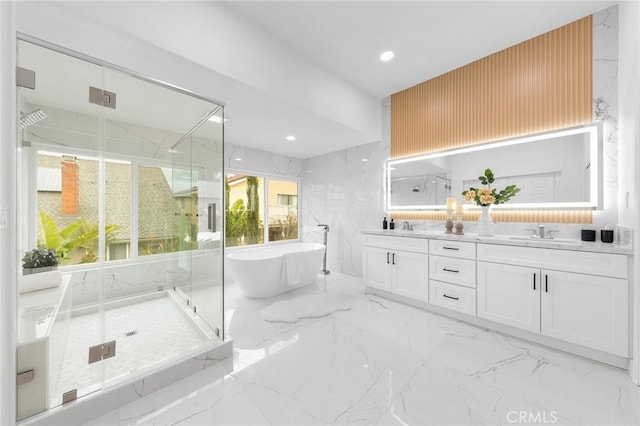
<point>265,212</point>
<point>29,236</point>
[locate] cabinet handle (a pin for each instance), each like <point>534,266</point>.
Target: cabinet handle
<point>450,248</point>
<point>450,270</point>
<point>534,281</point>
<point>450,297</point>
<point>387,258</point>
<point>546,283</point>
<point>393,258</point>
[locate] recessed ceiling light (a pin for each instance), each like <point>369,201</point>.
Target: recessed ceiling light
<point>291,138</point>
<point>386,56</point>
<point>238,159</point>
<point>173,151</point>
<point>364,160</point>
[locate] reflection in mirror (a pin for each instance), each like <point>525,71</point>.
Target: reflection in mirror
<point>559,169</point>
<point>419,183</point>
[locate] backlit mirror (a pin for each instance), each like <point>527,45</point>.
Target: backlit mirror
<point>558,169</point>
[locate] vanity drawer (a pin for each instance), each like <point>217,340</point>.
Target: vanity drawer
<point>459,249</point>
<point>452,270</point>
<point>420,245</point>
<point>451,296</point>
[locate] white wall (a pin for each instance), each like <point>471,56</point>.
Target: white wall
<point>261,162</point>
<point>9,263</point>
<point>629,194</point>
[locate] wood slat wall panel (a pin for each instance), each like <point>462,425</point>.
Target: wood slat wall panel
<point>541,84</point>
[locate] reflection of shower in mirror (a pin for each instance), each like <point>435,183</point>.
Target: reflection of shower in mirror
<point>427,188</point>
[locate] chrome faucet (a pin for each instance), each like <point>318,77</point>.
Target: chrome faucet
<point>407,226</point>
<point>540,232</point>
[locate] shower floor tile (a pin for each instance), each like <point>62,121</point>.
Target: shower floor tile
<point>146,333</point>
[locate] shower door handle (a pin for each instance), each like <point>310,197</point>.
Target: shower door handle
<point>211,217</point>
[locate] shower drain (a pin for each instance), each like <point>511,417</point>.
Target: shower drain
<point>131,333</point>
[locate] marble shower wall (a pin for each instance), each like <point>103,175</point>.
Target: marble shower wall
<point>345,192</point>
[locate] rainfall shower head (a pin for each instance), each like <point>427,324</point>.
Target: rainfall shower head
<point>32,118</point>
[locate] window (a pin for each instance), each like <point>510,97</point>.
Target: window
<point>246,213</point>
<point>287,200</point>
<point>164,189</point>
<point>67,206</point>
<point>283,210</point>
<point>68,210</point>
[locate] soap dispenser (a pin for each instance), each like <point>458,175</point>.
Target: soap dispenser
<point>392,225</point>
<point>384,223</point>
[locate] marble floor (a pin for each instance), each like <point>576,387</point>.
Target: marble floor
<point>383,363</point>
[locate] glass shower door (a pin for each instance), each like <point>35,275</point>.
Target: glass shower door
<point>205,144</point>
<point>151,136</point>
<point>61,312</point>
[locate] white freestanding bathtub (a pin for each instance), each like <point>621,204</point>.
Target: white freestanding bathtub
<point>268,271</point>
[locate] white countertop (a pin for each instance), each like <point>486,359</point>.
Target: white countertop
<point>512,240</point>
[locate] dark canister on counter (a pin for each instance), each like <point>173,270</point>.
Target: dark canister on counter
<point>588,235</point>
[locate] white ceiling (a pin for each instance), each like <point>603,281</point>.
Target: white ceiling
<point>429,38</point>
<point>308,68</point>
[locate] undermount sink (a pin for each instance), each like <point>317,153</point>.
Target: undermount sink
<point>550,241</point>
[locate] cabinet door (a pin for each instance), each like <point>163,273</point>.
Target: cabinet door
<point>586,309</point>
<point>506,294</point>
<point>376,263</point>
<point>410,274</point>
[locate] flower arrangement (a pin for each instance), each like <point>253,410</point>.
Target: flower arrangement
<point>488,196</point>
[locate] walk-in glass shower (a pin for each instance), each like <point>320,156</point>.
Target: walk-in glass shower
<point>122,177</point>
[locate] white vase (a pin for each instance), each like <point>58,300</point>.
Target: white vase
<point>485,223</point>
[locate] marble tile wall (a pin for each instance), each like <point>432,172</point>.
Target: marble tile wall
<point>345,192</point>
<point>338,189</point>
<point>605,105</point>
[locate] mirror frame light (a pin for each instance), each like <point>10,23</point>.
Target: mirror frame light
<point>594,130</point>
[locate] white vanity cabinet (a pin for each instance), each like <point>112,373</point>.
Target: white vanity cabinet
<point>452,275</point>
<point>397,264</point>
<point>509,294</point>
<point>585,309</point>
<point>577,297</point>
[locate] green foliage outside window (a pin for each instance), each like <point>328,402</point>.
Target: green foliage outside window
<point>79,238</point>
